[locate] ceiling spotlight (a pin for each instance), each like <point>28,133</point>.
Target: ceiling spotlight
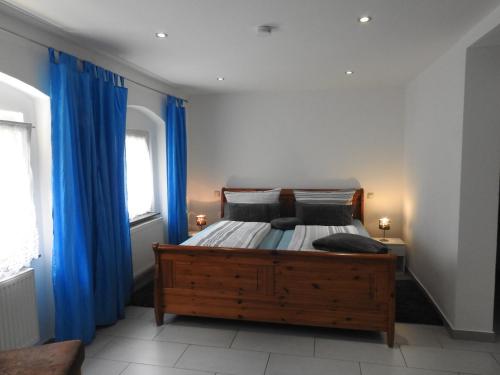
<point>266,30</point>
<point>349,72</point>
<point>220,78</point>
<point>161,35</point>
<point>364,19</point>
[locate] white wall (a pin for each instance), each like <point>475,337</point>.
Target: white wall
<point>479,189</point>
<point>434,170</point>
<point>433,140</point>
<point>347,138</point>
<point>28,62</point>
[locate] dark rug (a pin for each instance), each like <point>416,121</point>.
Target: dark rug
<point>412,305</point>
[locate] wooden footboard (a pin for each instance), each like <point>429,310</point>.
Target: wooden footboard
<point>354,291</point>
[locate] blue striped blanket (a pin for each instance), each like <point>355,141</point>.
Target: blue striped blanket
<point>304,235</point>
<point>239,234</point>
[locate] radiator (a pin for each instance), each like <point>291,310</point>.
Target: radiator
<point>18,313</point>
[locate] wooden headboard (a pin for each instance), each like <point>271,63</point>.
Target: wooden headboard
<point>287,200</point>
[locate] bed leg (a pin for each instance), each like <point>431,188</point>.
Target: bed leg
<point>158,289</point>
<point>390,337</point>
<point>391,323</point>
<point>158,316</point>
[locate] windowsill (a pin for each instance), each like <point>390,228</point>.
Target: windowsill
<point>144,218</point>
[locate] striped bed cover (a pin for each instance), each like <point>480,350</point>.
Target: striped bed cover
<point>304,235</point>
<point>247,235</point>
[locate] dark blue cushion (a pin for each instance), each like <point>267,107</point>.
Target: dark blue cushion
<point>350,243</point>
<point>260,212</point>
<point>286,223</point>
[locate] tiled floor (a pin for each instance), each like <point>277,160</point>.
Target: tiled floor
<point>191,346</point>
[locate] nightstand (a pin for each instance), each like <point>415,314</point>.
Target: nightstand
<point>397,247</point>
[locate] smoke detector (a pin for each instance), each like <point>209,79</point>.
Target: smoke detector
<point>266,30</point>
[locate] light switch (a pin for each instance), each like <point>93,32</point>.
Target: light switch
<point>217,193</point>
<point>370,195</point>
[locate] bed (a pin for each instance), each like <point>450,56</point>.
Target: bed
<point>316,288</point>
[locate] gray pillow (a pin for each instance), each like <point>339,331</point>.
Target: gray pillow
<point>261,212</point>
<point>350,243</point>
<point>286,223</point>
<point>324,214</point>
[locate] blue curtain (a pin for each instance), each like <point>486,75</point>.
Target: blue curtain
<point>91,264</point>
<point>176,171</point>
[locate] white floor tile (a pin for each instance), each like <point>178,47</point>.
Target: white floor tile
<point>450,360</point>
<point>229,361</point>
<point>156,350</point>
<point>373,369</point>
<point>497,357</point>
<point>133,328</point>
<point>418,335</point>
<point>95,366</point>
<point>275,343</point>
<point>143,351</point>
<point>197,335</point>
<point>280,364</point>
<point>358,351</point>
<point>137,369</point>
<point>97,345</point>
<point>478,346</point>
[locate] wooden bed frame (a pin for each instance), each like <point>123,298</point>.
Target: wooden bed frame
<point>353,291</point>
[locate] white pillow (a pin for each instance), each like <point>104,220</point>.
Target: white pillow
<point>342,197</point>
<point>265,196</point>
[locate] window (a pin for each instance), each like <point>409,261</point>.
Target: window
<point>139,174</point>
<point>18,230</point>
<point>11,116</point>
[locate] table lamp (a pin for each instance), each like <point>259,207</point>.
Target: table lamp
<point>384,223</point>
<point>201,220</point>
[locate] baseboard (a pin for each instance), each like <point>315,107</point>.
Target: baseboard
<point>472,335</point>
<point>144,278</point>
<point>455,333</point>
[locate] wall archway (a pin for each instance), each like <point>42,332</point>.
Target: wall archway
<point>144,119</point>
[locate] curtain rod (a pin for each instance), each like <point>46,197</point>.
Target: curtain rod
<point>17,123</point>
<point>46,46</point>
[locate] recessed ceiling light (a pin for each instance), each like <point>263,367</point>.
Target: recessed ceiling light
<point>364,19</point>
<point>266,30</point>
<point>349,72</point>
<point>161,35</point>
<point>220,78</point>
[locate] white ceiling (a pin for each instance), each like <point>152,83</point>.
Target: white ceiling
<point>317,40</point>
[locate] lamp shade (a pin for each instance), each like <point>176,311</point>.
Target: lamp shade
<point>384,223</point>
<point>201,220</point>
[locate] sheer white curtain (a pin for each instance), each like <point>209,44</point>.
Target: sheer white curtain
<point>18,231</point>
<point>139,175</point>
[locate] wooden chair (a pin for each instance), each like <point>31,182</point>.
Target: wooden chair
<point>62,358</point>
